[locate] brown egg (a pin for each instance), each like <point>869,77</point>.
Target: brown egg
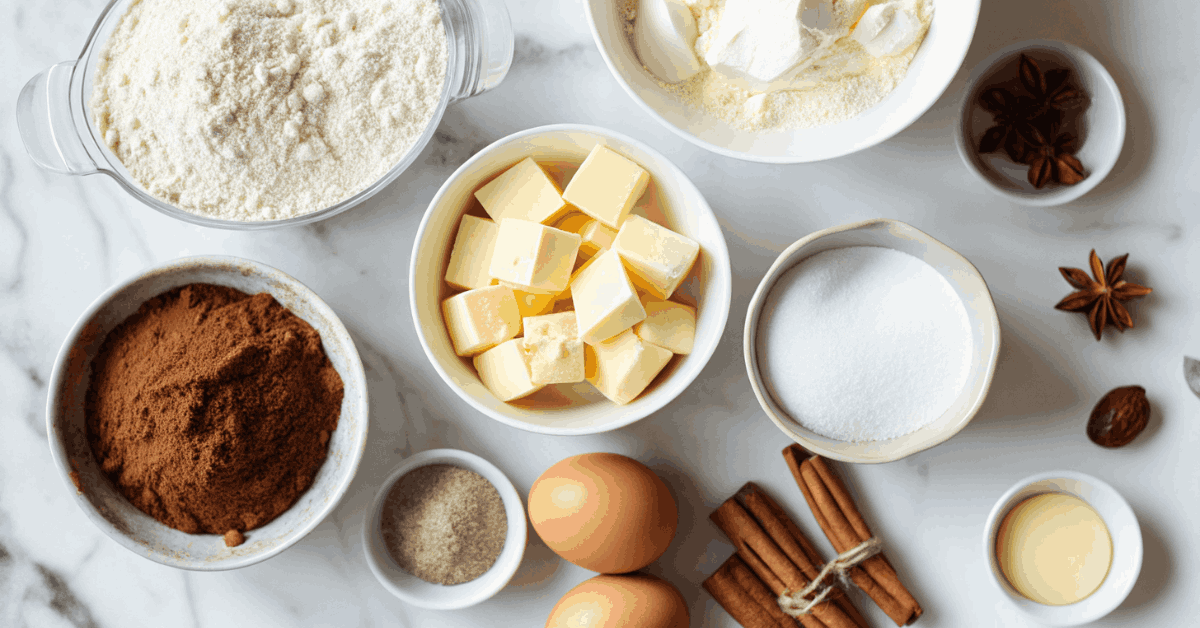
<point>635,600</point>
<point>604,512</point>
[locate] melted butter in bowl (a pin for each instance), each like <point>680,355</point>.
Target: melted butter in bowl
<point>1054,548</point>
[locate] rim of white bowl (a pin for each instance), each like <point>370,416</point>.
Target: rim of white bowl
<point>1084,61</point>
<point>500,573</point>
<point>874,140</point>
<point>1095,608</point>
<point>723,269</point>
<point>776,414</point>
<point>61,460</point>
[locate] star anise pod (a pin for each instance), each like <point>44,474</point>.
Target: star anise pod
<point>1052,159</point>
<point>1052,92</point>
<point>1102,297</point>
<point>1010,116</point>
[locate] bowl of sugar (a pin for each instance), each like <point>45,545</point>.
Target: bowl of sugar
<point>871,341</point>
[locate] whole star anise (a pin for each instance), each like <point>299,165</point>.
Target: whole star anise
<point>1052,92</point>
<point>1101,297</point>
<point>1029,126</point>
<point>1052,159</point>
<point>1010,117</point>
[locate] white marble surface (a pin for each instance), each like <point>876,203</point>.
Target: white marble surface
<point>63,240</point>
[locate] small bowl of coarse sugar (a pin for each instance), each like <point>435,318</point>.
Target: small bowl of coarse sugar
<point>250,115</point>
<point>446,531</point>
<point>871,341</point>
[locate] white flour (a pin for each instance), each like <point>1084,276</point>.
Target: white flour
<point>864,343</point>
<point>840,86</point>
<point>253,110</point>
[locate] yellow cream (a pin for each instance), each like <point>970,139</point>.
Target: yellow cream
<point>1054,549</point>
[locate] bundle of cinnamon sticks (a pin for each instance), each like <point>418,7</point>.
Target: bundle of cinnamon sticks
<point>773,556</point>
<point>843,524</point>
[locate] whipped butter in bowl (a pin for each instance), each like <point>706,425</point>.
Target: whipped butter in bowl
<point>784,81</point>
<point>871,341</point>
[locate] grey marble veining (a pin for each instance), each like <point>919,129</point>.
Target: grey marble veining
<point>64,240</point>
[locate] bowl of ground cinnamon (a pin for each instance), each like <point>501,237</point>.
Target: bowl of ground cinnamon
<point>208,413</point>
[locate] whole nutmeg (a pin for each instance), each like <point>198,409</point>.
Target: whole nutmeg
<point>1119,417</point>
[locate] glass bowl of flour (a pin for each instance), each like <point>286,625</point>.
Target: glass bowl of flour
<point>252,114</point>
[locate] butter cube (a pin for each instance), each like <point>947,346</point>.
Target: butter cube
<point>669,325</point>
<point>596,237</point>
<point>606,186</point>
<point>502,369</point>
<point>524,191</point>
<point>658,257</point>
<point>472,253</point>
<point>622,367</point>
<point>566,293</point>
<point>553,349</point>
<point>606,303</point>
<point>531,255</point>
<point>481,319</point>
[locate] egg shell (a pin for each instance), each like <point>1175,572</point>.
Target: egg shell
<point>602,511</point>
<point>621,601</point>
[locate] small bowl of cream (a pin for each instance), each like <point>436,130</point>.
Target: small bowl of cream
<point>871,341</point>
<point>1063,547</point>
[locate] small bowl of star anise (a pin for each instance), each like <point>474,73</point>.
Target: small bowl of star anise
<point>1042,122</point>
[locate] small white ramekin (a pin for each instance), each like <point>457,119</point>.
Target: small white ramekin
<point>1122,525</point>
<point>967,283</point>
<point>418,592</point>
<point>1103,122</point>
<point>134,529</point>
<point>580,410</point>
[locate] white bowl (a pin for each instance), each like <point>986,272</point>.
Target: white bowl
<point>578,409</point>
<point>1102,122</point>
<point>981,315</point>
<point>1121,523</point>
<point>935,65</point>
<point>418,592</point>
<point>134,529</point>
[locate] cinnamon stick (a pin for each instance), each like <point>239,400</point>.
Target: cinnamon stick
<point>881,570</point>
<point>741,604</point>
<point>763,555</point>
<point>843,524</point>
<point>767,600</point>
<point>793,543</point>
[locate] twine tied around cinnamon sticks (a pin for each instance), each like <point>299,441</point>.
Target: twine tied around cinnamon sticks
<point>797,603</point>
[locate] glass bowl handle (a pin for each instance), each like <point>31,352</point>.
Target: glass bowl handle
<point>50,125</point>
<point>482,33</point>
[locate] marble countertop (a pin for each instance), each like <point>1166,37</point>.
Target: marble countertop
<point>63,240</point>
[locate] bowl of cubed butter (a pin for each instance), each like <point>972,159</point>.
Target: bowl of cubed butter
<point>569,280</point>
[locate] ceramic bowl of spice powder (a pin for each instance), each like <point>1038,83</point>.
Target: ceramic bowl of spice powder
<point>233,449</point>
<point>446,531</point>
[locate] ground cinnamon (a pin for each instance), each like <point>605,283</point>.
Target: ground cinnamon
<point>210,409</point>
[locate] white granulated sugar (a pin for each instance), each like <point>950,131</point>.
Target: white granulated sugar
<point>864,343</point>
<point>843,83</point>
<point>253,110</point>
